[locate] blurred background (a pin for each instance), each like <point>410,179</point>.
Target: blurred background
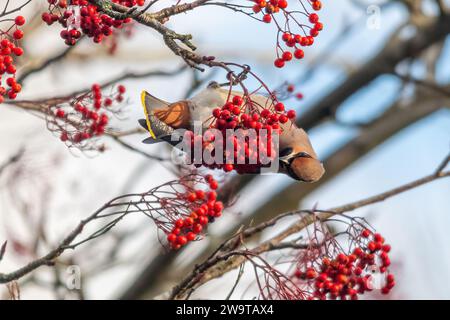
<point>371,121</point>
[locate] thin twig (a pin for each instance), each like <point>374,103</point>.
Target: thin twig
<point>14,158</point>
<point>45,64</point>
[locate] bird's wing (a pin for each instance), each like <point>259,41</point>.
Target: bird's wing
<point>152,103</point>
<point>162,119</point>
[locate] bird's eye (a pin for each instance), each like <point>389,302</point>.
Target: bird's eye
<point>285,152</point>
<point>302,155</point>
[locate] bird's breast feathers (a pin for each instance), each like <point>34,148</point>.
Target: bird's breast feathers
<point>202,104</point>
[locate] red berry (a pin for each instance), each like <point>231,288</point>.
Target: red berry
<point>342,279</point>
<point>18,51</point>
<point>279,63</point>
<point>279,107</point>
<point>60,113</point>
<point>282,4</point>
<point>237,101</point>
<point>171,237</point>
<point>188,222</point>
<point>267,18</point>
<point>256,8</point>
<point>365,233</point>
<point>191,236</point>
<point>236,111</point>
<point>213,184</point>
<point>179,223</point>
<point>216,112</point>
<point>200,194</point>
<point>11,81</point>
<point>197,228</point>
<point>64,136</point>
<point>121,89</point>
<point>192,197</point>
<point>212,196</point>
<point>377,237</point>
<point>181,240</point>
<point>286,36</point>
<point>203,220</point>
<point>228,167</point>
<point>371,246</point>
<point>96,87</point>
<point>218,206</point>
<point>19,20</point>
<point>265,113</point>
<point>299,54</point>
<point>291,114</point>
<point>317,5</point>
<point>311,273</point>
<point>18,34</point>
<point>287,56</point>
<point>342,258</point>
<point>390,278</point>
<point>313,18</point>
<point>314,32</point>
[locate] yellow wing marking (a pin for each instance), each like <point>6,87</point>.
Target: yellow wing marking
<point>147,118</point>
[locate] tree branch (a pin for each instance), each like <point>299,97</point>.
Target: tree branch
<point>222,263</point>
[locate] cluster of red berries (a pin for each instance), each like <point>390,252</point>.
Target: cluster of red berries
<point>9,48</point>
<point>80,17</point>
<point>291,39</point>
<point>246,155</point>
<point>349,275</point>
<point>203,207</point>
<point>85,116</point>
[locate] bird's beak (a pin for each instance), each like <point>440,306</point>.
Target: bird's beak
<point>302,167</point>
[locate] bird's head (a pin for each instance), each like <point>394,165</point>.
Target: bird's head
<point>297,157</point>
<point>302,166</point>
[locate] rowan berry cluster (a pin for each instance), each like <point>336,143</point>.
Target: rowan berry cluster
<point>346,276</point>
<point>84,117</point>
<point>79,17</point>
<point>243,152</point>
<point>292,32</point>
<point>9,49</point>
<point>203,209</point>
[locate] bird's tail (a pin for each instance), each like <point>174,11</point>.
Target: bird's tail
<point>158,130</point>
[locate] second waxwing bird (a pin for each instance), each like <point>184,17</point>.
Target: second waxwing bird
<point>296,154</point>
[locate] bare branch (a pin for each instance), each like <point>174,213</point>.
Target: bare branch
<point>163,14</point>
<point>60,56</point>
<point>164,205</point>
<point>5,12</point>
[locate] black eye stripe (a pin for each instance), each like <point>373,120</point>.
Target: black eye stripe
<point>299,155</point>
<point>302,155</point>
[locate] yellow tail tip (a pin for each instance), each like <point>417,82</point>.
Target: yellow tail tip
<point>146,113</point>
